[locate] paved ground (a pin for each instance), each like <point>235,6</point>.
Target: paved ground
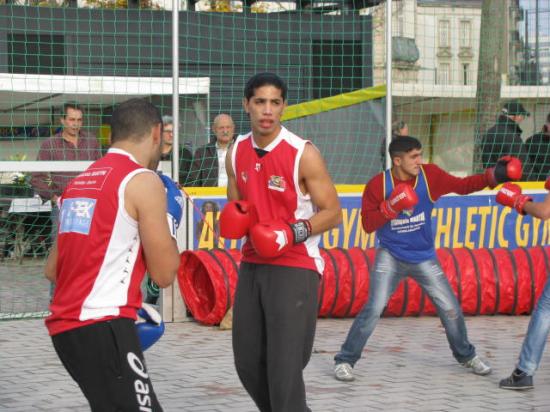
<point>408,367</point>
<point>23,287</point>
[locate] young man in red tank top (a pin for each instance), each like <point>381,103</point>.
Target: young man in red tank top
<point>284,180</point>
<point>113,227</point>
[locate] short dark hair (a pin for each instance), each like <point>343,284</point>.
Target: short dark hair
<point>133,119</point>
<point>71,105</point>
<point>264,79</point>
<point>403,144</point>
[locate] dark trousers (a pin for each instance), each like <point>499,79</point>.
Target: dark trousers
<point>274,318</point>
<point>106,361</point>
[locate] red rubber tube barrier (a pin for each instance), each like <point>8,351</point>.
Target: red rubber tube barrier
<point>207,281</point>
<point>485,281</point>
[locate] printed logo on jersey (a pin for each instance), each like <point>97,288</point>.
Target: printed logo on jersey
<point>76,215</point>
<point>244,176</point>
<point>410,224</point>
<point>91,179</point>
<point>276,183</point>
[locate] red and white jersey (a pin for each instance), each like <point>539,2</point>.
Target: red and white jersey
<point>271,183</point>
<point>100,264</point>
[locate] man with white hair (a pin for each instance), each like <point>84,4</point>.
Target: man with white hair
<point>209,161</point>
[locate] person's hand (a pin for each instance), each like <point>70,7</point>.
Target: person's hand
<point>402,197</point>
<point>272,239</point>
<point>510,195</point>
<point>236,218</point>
<point>174,204</point>
<point>506,169</point>
<point>55,200</point>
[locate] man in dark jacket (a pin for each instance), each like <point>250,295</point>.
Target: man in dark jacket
<point>504,138</point>
<point>185,157</point>
<point>209,161</point>
<point>538,149</point>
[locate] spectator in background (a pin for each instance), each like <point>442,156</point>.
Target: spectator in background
<point>185,157</point>
<point>152,290</point>
<point>398,128</point>
<point>70,143</point>
<point>538,150</point>
<point>504,138</point>
<point>209,161</point>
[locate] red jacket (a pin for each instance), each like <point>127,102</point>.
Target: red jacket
<point>439,183</point>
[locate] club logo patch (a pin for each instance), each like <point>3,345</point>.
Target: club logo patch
<point>76,215</point>
<point>277,183</point>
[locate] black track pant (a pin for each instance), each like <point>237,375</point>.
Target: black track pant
<point>106,361</point>
<point>274,318</point>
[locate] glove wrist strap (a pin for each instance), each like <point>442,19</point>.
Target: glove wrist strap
<point>301,230</point>
<point>520,203</point>
<point>490,176</point>
<point>388,212</point>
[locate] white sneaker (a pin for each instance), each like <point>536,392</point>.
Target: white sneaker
<point>478,366</point>
<point>344,372</point>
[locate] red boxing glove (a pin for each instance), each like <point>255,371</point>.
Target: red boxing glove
<point>236,218</point>
<point>547,184</point>
<point>402,197</point>
<point>507,168</point>
<point>272,239</point>
<point>510,195</point>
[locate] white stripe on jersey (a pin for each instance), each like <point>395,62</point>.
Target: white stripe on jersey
<point>305,208</point>
<point>110,290</point>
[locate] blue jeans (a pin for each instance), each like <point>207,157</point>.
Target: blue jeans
<point>384,279</point>
<point>537,332</point>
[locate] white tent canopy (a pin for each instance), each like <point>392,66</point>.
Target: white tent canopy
<point>27,96</point>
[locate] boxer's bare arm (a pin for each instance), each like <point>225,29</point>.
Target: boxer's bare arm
<point>146,202</point>
<point>540,210</point>
<point>50,270</point>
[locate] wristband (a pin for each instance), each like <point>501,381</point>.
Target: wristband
<point>301,230</point>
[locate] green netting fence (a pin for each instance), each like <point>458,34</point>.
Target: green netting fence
<point>455,65</point>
